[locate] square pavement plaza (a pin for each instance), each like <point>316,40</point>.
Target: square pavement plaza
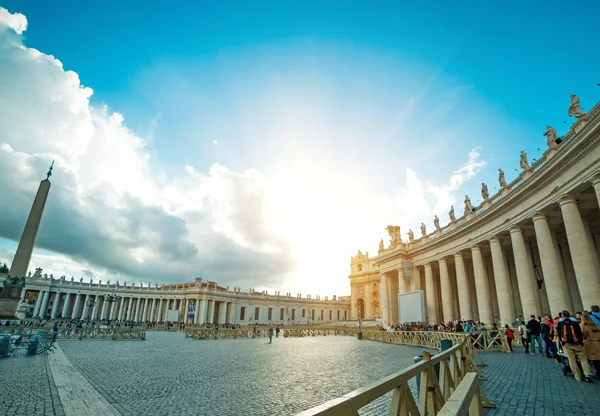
<point>171,375</point>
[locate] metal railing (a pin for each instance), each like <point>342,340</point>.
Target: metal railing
<point>455,364</point>
<point>117,333</point>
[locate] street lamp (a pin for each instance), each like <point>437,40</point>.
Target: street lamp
<point>110,298</point>
<point>90,304</point>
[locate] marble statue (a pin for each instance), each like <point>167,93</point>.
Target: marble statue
<point>451,214</point>
<point>381,247</point>
<point>575,108</point>
<point>436,223</point>
<point>423,229</point>
<point>411,236</point>
<point>468,206</point>
<point>484,192</point>
<point>108,282</point>
<point>523,162</point>
<point>550,134</point>
<point>394,232</point>
<point>71,279</point>
<point>100,282</point>
<point>29,274</point>
<point>501,178</point>
<point>52,276</point>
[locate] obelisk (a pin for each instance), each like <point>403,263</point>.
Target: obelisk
<point>20,263</point>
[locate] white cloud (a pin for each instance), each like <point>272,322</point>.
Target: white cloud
<point>420,200</point>
<point>216,143</point>
<point>108,212</point>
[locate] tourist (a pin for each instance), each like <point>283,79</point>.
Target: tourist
<point>523,335</point>
<point>546,334</point>
<point>591,341</point>
<point>533,334</point>
<point>578,316</point>
<point>270,335</point>
<point>595,314</point>
<point>277,332</point>
<point>510,335</point>
<point>571,336</point>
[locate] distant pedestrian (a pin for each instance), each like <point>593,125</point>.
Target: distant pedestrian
<point>510,335</point>
<point>277,332</point>
<point>523,335</point>
<point>533,334</point>
<point>270,335</point>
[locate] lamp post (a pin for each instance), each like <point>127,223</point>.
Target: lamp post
<point>110,298</point>
<point>90,304</point>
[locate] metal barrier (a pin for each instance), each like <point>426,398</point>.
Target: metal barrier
<point>455,364</point>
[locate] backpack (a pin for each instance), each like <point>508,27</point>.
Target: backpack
<point>511,334</point>
<point>568,335</point>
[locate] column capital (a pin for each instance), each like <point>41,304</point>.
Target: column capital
<point>442,260</point>
<point>596,179</point>
<point>494,239</point>
<point>515,229</point>
<point>457,255</point>
<point>566,199</point>
<point>539,216</point>
<point>475,248</point>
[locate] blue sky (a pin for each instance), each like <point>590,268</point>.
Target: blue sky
<point>353,111</point>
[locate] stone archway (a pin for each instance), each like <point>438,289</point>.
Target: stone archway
<point>360,309</point>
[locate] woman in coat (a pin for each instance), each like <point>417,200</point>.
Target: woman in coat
<point>591,341</point>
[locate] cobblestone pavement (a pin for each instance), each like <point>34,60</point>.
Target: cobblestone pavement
<point>523,384</point>
<point>27,387</point>
<point>171,375</point>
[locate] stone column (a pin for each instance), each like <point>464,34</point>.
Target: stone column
<point>446,286</point>
<point>211,311</point>
<point>571,279</point>
<point>506,303</point>
<point>482,286</point>
<point>402,283</point>
<point>84,313</point>
<point>122,308</point>
<point>129,309</point>
<point>515,287</point>
<point>77,306</point>
<point>159,314</point>
<point>221,317</point>
<point>44,307</point>
<point>489,270</point>
<point>38,304</point>
<point>65,311</point>
<point>95,309</point>
<point>145,311</point>
<point>581,253</point>
<point>526,288</point>
<point>383,299</point>
<point>187,308</point>
<point>415,281</point>
<point>534,272</point>
<point>55,306</point>
<point>549,256</point>
<point>201,310</point>
<point>103,310</point>
<point>596,184</point>
<point>432,315</point>
<point>113,311</point>
<point>464,294</point>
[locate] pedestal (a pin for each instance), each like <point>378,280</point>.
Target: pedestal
<point>505,190</point>
<point>9,301</point>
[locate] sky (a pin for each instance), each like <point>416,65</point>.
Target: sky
<point>261,144</point>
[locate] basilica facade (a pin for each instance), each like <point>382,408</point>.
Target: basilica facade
<point>531,248</point>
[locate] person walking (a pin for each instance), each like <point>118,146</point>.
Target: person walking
<point>270,335</point>
<point>591,341</point>
<point>571,336</point>
<point>523,335</point>
<point>533,334</point>
<point>595,314</point>
<point>510,335</point>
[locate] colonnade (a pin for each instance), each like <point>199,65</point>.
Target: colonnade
<point>528,268</point>
<point>99,307</point>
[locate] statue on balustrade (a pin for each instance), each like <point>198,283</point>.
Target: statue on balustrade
<point>501,178</point>
<point>45,275</point>
<point>423,229</point>
<point>575,108</point>
<point>484,192</point>
<point>381,247</point>
<point>451,214</point>
<point>411,236</point>
<point>468,205</point>
<point>551,138</point>
<point>436,223</point>
<point>523,162</point>
<point>394,232</point>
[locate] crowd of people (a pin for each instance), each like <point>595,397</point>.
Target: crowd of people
<point>567,339</point>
